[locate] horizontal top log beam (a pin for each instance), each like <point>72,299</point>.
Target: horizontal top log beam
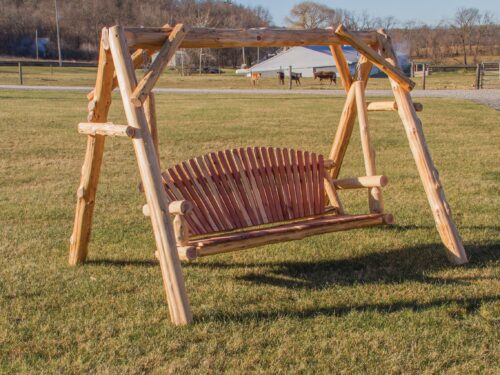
<point>154,38</point>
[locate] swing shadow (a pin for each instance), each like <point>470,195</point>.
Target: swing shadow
<point>464,306</point>
<point>388,267</point>
<point>391,267</point>
<point>396,266</point>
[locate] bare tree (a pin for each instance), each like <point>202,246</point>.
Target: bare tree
<point>464,23</point>
<point>310,15</point>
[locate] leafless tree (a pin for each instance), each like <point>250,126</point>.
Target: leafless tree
<point>310,15</point>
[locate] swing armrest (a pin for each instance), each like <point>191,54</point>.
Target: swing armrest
<point>181,207</point>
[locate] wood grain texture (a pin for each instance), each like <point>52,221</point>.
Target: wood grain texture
<point>154,38</point>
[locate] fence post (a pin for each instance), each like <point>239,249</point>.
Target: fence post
<point>20,73</point>
<point>478,77</point>
<point>290,77</point>
<point>424,73</point>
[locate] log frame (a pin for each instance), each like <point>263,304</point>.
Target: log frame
<point>116,69</point>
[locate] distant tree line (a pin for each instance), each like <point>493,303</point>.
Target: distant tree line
<point>469,35</point>
<point>82,21</point>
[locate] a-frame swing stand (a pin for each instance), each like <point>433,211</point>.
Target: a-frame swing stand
<point>123,49</point>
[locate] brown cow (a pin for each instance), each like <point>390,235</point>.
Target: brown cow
<point>255,77</point>
<point>332,76</point>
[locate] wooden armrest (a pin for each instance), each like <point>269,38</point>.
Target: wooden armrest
<point>361,182</point>
<point>181,207</point>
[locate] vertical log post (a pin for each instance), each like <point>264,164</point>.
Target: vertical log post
<point>428,172</point>
<point>290,77</point>
<point>374,193</point>
<point>157,200</point>
<point>98,112</point>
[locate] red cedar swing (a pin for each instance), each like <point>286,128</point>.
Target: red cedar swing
<point>238,199</point>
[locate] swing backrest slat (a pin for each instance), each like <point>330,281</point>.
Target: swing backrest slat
<point>241,188</point>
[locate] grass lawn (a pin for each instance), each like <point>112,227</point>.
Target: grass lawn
<point>69,76</point>
<point>375,301</point>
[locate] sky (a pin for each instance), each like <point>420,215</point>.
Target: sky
<point>427,11</point>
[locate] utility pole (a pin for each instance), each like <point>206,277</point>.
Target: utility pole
<point>58,35</point>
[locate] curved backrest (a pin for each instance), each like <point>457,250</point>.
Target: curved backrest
<point>246,187</point>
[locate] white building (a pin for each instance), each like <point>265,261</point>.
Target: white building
<point>307,60</point>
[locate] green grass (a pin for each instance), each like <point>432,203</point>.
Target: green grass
<point>379,300</point>
<point>68,76</point>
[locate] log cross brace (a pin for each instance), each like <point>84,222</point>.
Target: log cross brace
<point>166,53</point>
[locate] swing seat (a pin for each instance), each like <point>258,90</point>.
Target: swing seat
<point>244,198</point>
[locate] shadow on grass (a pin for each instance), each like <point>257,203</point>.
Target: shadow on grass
<point>122,263</point>
<point>393,266</point>
<point>462,307</point>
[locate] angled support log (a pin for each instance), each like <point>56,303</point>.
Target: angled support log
<point>393,72</point>
<point>375,193</point>
<point>364,69</point>
<point>164,56</point>
<point>93,157</point>
<point>428,172</point>
<point>342,66</point>
<point>346,123</point>
<point>150,110</point>
<point>137,61</point>
<point>156,197</point>
<point>343,134</point>
<point>333,197</point>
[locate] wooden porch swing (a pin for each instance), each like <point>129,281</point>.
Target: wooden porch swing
<point>242,198</point>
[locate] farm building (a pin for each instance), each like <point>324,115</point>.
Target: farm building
<point>307,60</point>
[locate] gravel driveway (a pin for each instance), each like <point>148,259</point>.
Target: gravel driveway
<point>490,98</point>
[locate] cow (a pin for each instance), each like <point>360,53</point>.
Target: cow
<point>326,75</point>
<point>295,77</point>
<point>255,77</point>
<point>281,77</point>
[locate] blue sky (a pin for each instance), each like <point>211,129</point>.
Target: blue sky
<point>428,11</point>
